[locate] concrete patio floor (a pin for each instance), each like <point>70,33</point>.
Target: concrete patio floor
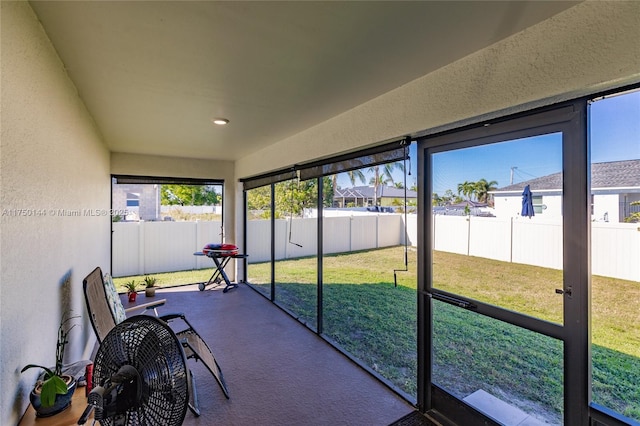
<point>278,372</point>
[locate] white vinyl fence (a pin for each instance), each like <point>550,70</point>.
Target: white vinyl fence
<point>150,247</point>
<point>615,247</point>
<point>343,234</point>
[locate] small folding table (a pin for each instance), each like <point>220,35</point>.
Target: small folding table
<point>220,254</point>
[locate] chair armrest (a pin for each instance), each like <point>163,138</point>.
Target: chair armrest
<point>149,305</point>
<point>169,317</point>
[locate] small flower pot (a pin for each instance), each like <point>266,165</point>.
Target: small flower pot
<point>62,401</point>
<point>150,291</point>
<point>132,296</point>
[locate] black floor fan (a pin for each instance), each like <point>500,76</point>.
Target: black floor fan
<point>140,376</point>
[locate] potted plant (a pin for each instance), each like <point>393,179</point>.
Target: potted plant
<point>150,283</point>
<point>131,290</point>
<point>53,391</point>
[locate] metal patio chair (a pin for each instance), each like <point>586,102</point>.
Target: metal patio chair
<point>106,310</point>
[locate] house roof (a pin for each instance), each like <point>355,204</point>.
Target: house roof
<point>614,174</point>
<point>469,203</point>
<point>367,192</point>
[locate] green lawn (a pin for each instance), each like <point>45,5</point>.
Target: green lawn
<point>167,279</point>
<point>366,315</point>
<point>376,322</point>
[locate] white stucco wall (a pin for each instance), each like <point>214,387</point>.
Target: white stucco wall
<point>606,208</point>
<point>507,206</point>
<point>609,204</point>
<point>52,159</point>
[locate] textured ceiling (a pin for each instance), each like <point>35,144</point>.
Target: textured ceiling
<point>153,74</point>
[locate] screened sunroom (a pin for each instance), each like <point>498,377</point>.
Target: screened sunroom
<point>423,108</point>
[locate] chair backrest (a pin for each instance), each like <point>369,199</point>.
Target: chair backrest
<point>103,303</point>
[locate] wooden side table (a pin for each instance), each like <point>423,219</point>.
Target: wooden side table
<point>68,417</point>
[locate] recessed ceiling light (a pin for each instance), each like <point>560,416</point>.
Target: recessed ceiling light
<point>220,121</point>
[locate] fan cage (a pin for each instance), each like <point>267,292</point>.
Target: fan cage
<point>152,348</point>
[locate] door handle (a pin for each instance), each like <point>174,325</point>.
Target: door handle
<point>561,291</point>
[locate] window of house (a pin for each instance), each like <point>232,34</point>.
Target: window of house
<point>133,199</point>
<point>538,207</point>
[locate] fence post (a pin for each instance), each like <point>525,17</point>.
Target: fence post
<point>287,229</point>
<point>351,233</point>
<point>434,218</point>
<point>141,262</point>
<point>511,239</point>
<point>468,234</point>
<point>195,258</point>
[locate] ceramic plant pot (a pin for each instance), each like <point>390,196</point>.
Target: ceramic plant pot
<point>62,401</point>
<point>132,296</point>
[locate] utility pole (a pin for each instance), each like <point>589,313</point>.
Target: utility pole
<point>512,169</point>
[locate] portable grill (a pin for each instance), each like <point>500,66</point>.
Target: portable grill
<point>221,254</point>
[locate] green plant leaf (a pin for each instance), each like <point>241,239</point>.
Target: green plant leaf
<point>28,366</point>
<point>50,388</point>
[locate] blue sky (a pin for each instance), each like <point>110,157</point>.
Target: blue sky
<point>615,128</point>
<point>530,157</point>
<point>614,133</point>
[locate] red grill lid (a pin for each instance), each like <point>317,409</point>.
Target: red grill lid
<point>224,249</point>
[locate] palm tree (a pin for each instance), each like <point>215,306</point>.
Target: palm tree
<point>353,174</point>
<point>377,181</point>
<point>467,189</point>
<point>389,168</point>
<point>483,188</point>
<point>387,176</point>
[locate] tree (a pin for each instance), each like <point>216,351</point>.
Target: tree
<point>189,195</point>
<point>399,204</point>
<point>352,174</point>
<point>291,197</point>
<point>478,190</point>
<point>467,189</point>
<point>377,181</point>
<point>259,199</point>
<point>482,190</point>
<point>388,169</point>
<point>448,198</point>
<point>384,177</point>
<point>635,216</point>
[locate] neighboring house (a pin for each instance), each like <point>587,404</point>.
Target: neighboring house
<point>614,186</point>
<point>364,196</point>
<point>463,208</point>
<point>142,202</point>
